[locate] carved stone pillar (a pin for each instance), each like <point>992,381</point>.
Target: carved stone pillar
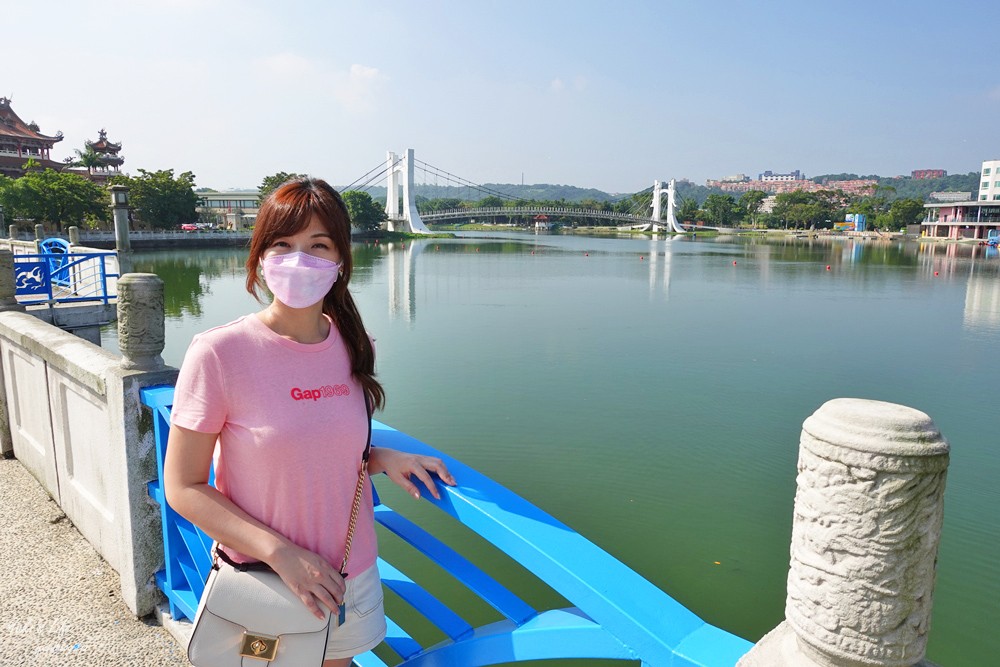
<point>865,534</point>
<point>140,321</point>
<point>12,232</point>
<point>74,235</point>
<point>8,301</point>
<point>39,232</point>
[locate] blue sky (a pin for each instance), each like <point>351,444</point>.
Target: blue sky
<point>610,95</point>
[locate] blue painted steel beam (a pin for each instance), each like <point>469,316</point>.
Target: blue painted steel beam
<point>645,618</point>
<point>457,565</point>
<point>417,597</point>
<point>557,633</point>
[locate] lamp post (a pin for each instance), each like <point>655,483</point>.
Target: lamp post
<point>119,208</point>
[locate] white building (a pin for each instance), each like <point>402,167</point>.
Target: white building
<point>230,210</point>
<point>989,182</point>
<point>771,177</point>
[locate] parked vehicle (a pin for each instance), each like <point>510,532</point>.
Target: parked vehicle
<point>188,227</point>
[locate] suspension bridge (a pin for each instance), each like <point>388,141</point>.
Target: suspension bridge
<point>397,172</point>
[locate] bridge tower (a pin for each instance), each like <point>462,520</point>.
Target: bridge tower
<point>408,219</point>
<point>672,223</point>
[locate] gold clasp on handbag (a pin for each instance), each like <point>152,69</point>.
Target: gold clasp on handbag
<point>260,647</point>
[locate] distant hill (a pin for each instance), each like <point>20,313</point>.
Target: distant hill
<point>915,188</point>
<point>905,186</point>
<point>543,191</point>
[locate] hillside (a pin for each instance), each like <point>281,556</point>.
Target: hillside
<point>541,191</point>
<point>905,187</point>
<point>914,188</point>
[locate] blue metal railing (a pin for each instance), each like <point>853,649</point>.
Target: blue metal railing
<point>616,614</point>
<point>59,277</point>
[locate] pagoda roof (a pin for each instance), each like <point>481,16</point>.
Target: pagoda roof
<point>11,125</point>
<point>102,145</point>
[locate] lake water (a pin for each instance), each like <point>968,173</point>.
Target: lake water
<point>650,393</point>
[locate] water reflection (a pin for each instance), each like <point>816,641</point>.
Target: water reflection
<point>188,275</point>
<point>402,268</point>
<point>654,264</point>
<point>982,298</point>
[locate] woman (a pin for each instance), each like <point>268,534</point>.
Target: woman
<point>283,392</point>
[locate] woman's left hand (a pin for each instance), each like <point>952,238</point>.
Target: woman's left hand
<point>400,466</point>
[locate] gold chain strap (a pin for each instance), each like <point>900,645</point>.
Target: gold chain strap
<point>359,492</point>
<point>355,508</point>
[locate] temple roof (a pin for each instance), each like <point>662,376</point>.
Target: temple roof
<point>11,125</point>
<point>102,145</point>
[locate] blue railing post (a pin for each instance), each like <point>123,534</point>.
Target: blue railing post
<point>87,277</point>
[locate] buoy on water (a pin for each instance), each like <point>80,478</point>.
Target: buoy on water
<point>734,262</point>
<point>827,267</point>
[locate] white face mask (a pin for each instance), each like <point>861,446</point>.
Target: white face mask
<point>298,279</point>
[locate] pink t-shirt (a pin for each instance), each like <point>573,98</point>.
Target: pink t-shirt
<point>292,427</point>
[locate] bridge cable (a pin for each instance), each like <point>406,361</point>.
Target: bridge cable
<point>372,181</point>
<point>381,166</point>
<point>458,180</point>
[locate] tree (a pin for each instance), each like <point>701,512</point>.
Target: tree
<point>720,210</point>
<point>365,214</point>
<point>88,158</point>
<point>55,197</point>
<point>903,212</point>
<point>875,206</point>
<point>492,201</point>
<point>272,182</point>
<point>160,199</point>
<point>688,211</point>
<point>750,203</point>
<point>803,209</point>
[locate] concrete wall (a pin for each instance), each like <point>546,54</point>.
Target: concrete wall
<point>74,419</point>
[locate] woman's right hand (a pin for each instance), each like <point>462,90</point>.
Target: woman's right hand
<point>185,480</point>
<point>310,577</point>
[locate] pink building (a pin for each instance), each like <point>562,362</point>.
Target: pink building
<point>960,220</point>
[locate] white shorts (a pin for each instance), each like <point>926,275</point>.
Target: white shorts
<point>364,621</point>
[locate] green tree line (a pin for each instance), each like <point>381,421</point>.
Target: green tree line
<point>158,199</point>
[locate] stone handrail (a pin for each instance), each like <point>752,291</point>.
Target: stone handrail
<point>71,414</point>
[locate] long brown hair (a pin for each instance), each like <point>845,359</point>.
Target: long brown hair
<point>285,212</point>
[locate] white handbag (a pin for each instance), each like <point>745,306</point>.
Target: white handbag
<point>253,614</point>
<point>247,611</point>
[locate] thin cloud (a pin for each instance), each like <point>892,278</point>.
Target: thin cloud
<point>358,90</point>
<point>288,64</point>
<point>577,84</point>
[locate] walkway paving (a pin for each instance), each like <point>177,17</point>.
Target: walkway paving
<point>59,601</point>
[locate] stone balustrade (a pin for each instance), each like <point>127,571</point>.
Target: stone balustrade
<point>867,522</point>
<point>72,416</point>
